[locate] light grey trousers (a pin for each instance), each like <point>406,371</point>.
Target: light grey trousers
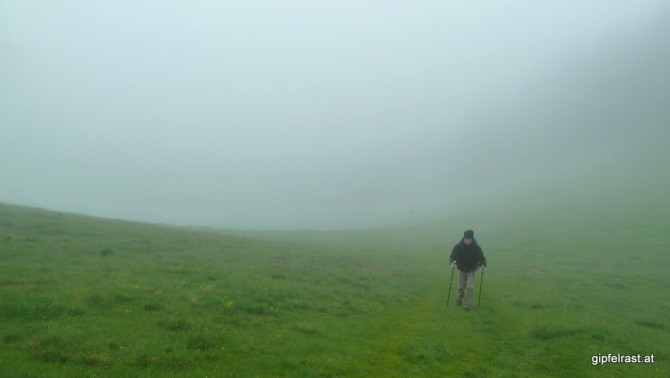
<point>466,287</point>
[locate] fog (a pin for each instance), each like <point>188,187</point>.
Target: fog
<point>323,115</point>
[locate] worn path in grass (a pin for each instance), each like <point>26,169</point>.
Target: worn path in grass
<point>401,330</point>
<point>426,337</point>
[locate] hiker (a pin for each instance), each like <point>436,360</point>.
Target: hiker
<point>467,256</point>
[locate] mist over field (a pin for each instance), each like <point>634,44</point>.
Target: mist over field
<point>298,115</point>
<point>313,165</point>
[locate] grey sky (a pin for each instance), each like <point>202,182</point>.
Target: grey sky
<point>272,114</point>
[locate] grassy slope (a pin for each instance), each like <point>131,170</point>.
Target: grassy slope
<point>573,274</point>
<point>81,295</point>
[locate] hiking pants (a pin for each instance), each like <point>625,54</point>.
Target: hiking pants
<point>466,287</point>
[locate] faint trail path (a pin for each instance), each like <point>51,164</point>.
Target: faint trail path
<point>425,338</point>
<point>401,330</point>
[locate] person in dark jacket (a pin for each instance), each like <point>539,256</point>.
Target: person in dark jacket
<point>467,256</point>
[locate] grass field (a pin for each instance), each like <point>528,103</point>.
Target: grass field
<point>85,297</point>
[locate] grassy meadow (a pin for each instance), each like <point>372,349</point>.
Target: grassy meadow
<point>87,297</point>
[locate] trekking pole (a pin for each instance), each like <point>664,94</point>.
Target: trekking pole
<point>451,280</point>
<point>481,281</point>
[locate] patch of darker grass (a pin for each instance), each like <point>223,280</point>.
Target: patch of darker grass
<point>11,338</point>
<point>299,306</point>
<point>278,276</point>
<point>237,321</point>
<point>423,351</point>
<point>476,372</point>
<point>153,307</point>
<point>602,335</point>
<point>123,298</point>
<point>113,346</point>
<point>305,328</point>
<point>95,359</point>
<point>650,324</point>
<point>179,363</point>
<point>175,324</point>
<point>52,349</point>
<point>34,309</point>
<point>202,342</point>
<point>76,311</point>
<point>260,310</point>
<point>616,285</point>
<point>96,300</point>
<point>540,306</point>
<point>546,333</point>
<point>145,360</point>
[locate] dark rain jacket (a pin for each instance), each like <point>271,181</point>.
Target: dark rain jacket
<point>468,258</point>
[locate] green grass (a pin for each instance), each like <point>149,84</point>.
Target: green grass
<point>81,296</point>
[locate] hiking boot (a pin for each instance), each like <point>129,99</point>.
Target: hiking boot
<point>466,308</point>
<point>459,302</point>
